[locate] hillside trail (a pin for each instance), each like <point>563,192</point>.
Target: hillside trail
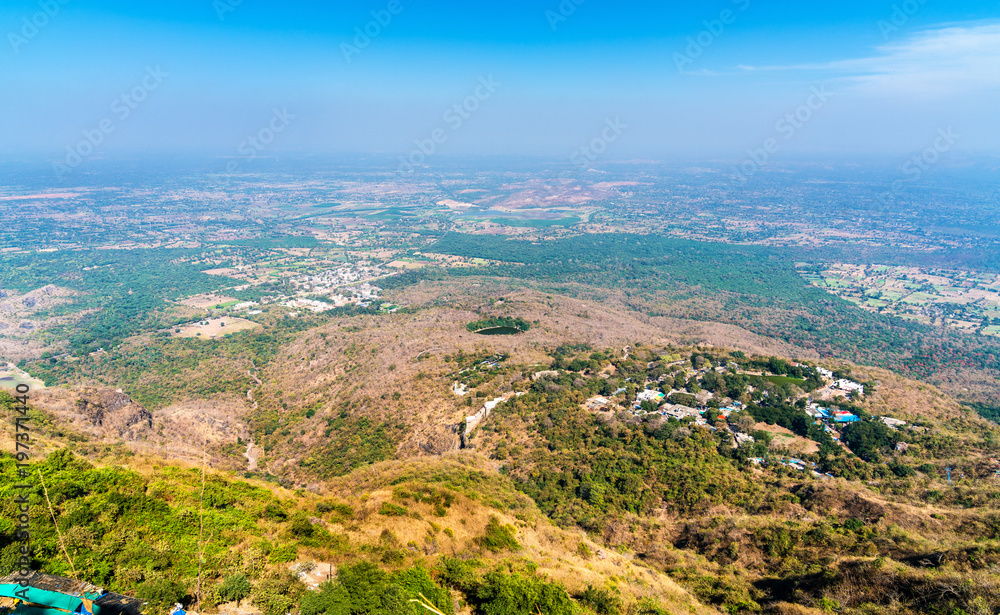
<point>253,452</point>
<point>253,376</point>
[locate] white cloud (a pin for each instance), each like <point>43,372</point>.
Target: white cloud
<point>941,63</point>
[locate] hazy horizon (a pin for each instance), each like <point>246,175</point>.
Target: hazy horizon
<point>581,81</point>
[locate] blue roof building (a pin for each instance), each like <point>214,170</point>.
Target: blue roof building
<point>847,417</point>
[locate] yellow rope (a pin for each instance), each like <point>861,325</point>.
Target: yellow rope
<point>201,526</point>
<point>424,602</point>
<point>52,512</point>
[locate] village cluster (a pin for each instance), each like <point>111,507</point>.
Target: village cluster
<point>360,295</point>
<point>343,286</point>
<point>321,292</point>
<point>652,399</point>
<point>669,390</point>
<point>325,282</point>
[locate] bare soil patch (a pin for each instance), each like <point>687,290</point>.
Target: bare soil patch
<point>786,439</point>
<point>214,327</point>
<point>206,300</point>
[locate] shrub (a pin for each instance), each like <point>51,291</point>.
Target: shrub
<point>160,593</point>
<point>278,594</point>
<point>502,594</point>
<point>602,601</point>
<point>340,510</point>
<point>233,589</point>
<point>901,469</point>
<point>417,581</point>
<point>392,510</point>
<point>301,526</point>
<point>458,573</point>
<point>365,588</point>
<point>274,512</point>
<point>648,606</point>
<point>498,537</point>
<point>284,553</point>
<point>331,599</point>
<point>853,524</point>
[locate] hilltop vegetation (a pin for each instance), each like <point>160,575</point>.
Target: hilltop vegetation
<point>499,322</point>
<point>440,532</point>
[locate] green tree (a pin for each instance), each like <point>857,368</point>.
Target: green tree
<point>502,594</point>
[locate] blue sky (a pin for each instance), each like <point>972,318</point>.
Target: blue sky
<point>682,82</point>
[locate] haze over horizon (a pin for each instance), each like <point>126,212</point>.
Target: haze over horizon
<point>653,80</point>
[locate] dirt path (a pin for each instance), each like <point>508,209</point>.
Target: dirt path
<point>253,451</point>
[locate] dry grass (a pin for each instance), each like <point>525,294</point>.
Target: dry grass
<point>206,300</point>
<point>215,327</point>
<point>556,551</point>
<point>372,358</point>
<point>787,440</point>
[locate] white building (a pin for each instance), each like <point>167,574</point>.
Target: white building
<point>742,438</point>
<point>849,385</point>
<point>650,395</point>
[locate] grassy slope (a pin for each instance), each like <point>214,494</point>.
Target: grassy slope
<point>133,526</point>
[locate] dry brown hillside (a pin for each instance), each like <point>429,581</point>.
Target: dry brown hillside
<point>394,366</point>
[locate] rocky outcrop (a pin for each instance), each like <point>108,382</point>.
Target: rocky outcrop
<point>430,440</point>
<point>115,413</point>
<point>472,421</point>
